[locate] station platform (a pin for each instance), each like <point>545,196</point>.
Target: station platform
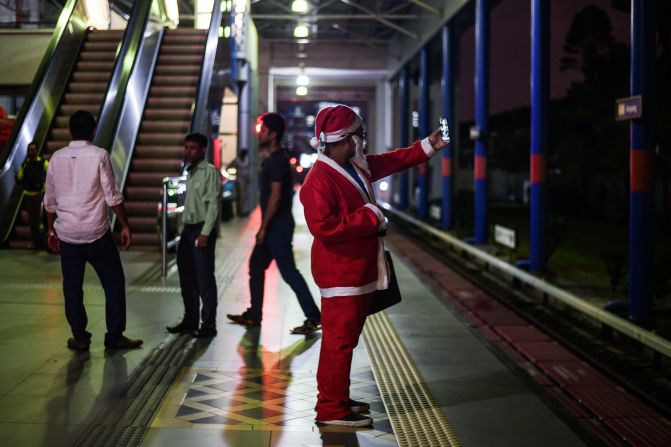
<point>430,376</point>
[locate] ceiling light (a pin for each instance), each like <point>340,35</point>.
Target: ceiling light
<point>299,6</point>
<point>302,80</point>
<point>301,31</point>
<point>301,90</point>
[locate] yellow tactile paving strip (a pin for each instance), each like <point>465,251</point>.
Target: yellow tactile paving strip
<point>416,418</point>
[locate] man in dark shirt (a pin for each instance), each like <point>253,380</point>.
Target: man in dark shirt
<point>274,238</point>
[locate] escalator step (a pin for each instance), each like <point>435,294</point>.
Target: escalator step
<point>149,125</point>
<point>175,81</point>
<point>167,114</point>
<point>161,139</point>
<point>104,35</point>
<point>181,59</point>
<point>179,91</point>
<point>90,76</point>
<point>69,109</point>
<point>146,240</point>
<point>170,102</point>
<point>84,98</point>
<point>101,46</point>
<point>156,165</point>
<point>53,146</point>
<point>105,66</point>
<point>156,151</point>
<point>96,56</point>
<point>183,48</point>
<point>166,69</point>
<point>148,178</point>
<point>136,208</point>
<point>143,193</point>
<point>87,87</point>
<point>143,224</point>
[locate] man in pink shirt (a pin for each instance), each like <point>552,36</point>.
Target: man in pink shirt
<point>80,187</point>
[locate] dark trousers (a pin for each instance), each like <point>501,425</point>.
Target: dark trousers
<point>103,255</point>
<point>278,246</point>
<point>33,206</point>
<point>196,277</point>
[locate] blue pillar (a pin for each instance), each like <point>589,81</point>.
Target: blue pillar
<point>641,160</point>
<point>540,37</point>
<point>447,84</point>
<point>481,117</point>
<point>423,127</point>
<point>404,118</point>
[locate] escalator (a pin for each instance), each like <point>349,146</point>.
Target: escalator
<point>85,91</point>
<point>167,74</point>
<point>166,120</point>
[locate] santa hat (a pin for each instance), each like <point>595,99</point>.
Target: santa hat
<point>334,124</point>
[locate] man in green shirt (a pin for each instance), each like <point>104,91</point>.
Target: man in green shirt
<point>195,254</point>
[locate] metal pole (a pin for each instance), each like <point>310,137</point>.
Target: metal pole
<point>423,127</point>
<point>404,115</point>
<point>164,230</point>
<point>447,83</point>
<point>540,11</point>
<point>481,118</point>
<point>641,160</point>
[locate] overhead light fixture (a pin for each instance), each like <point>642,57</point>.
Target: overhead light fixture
<point>301,31</point>
<point>302,80</point>
<point>301,90</point>
<point>300,6</point>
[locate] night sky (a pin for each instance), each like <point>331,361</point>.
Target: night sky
<point>510,23</point>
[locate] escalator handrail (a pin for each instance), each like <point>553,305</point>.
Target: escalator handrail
<point>199,117</point>
<point>38,81</point>
<point>125,61</point>
<point>37,113</point>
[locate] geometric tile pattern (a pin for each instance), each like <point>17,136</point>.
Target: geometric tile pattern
<point>260,399</point>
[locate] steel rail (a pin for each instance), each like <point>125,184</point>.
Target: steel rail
<point>645,337</point>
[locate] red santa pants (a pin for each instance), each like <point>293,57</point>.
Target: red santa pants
<point>343,318</point>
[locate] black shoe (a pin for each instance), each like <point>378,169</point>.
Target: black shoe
<point>123,343</point>
<point>78,345</point>
<point>358,407</point>
<point>351,420</point>
<point>308,327</point>
<point>206,333</point>
<point>243,320</point>
<point>182,328</point>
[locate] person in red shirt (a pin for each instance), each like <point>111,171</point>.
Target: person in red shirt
<point>348,262</point>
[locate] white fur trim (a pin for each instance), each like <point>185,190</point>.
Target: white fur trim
<point>428,149</point>
<point>329,161</point>
<point>330,292</point>
<point>378,214</point>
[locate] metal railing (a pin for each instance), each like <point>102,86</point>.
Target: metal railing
<point>645,337</point>
<point>174,189</point>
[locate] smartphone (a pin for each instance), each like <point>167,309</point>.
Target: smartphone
<point>444,130</point>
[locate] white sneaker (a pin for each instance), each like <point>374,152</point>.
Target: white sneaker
<point>351,420</point>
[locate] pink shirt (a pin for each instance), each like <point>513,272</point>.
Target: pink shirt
<point>79,189</point>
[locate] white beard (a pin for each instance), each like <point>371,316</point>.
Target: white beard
<point>359,158</point>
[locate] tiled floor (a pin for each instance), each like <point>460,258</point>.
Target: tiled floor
<point>245,387</point>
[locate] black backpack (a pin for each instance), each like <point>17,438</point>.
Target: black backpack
<point>34,175</point>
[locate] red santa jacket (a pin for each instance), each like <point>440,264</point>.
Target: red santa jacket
<point>347,256</point>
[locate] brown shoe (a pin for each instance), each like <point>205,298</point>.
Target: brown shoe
<point>124,343</point>
<point>78,345</point>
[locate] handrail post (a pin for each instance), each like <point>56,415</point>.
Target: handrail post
<point>164,230</point>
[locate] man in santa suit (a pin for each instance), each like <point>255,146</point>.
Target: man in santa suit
<point>348,262</point>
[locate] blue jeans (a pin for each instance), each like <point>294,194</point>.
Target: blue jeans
<point>103,255</point>
<point>278,246</point>
<point>196,277</point>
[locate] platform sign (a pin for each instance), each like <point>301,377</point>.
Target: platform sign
<point>628,108</point>
<point>505,236</point>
